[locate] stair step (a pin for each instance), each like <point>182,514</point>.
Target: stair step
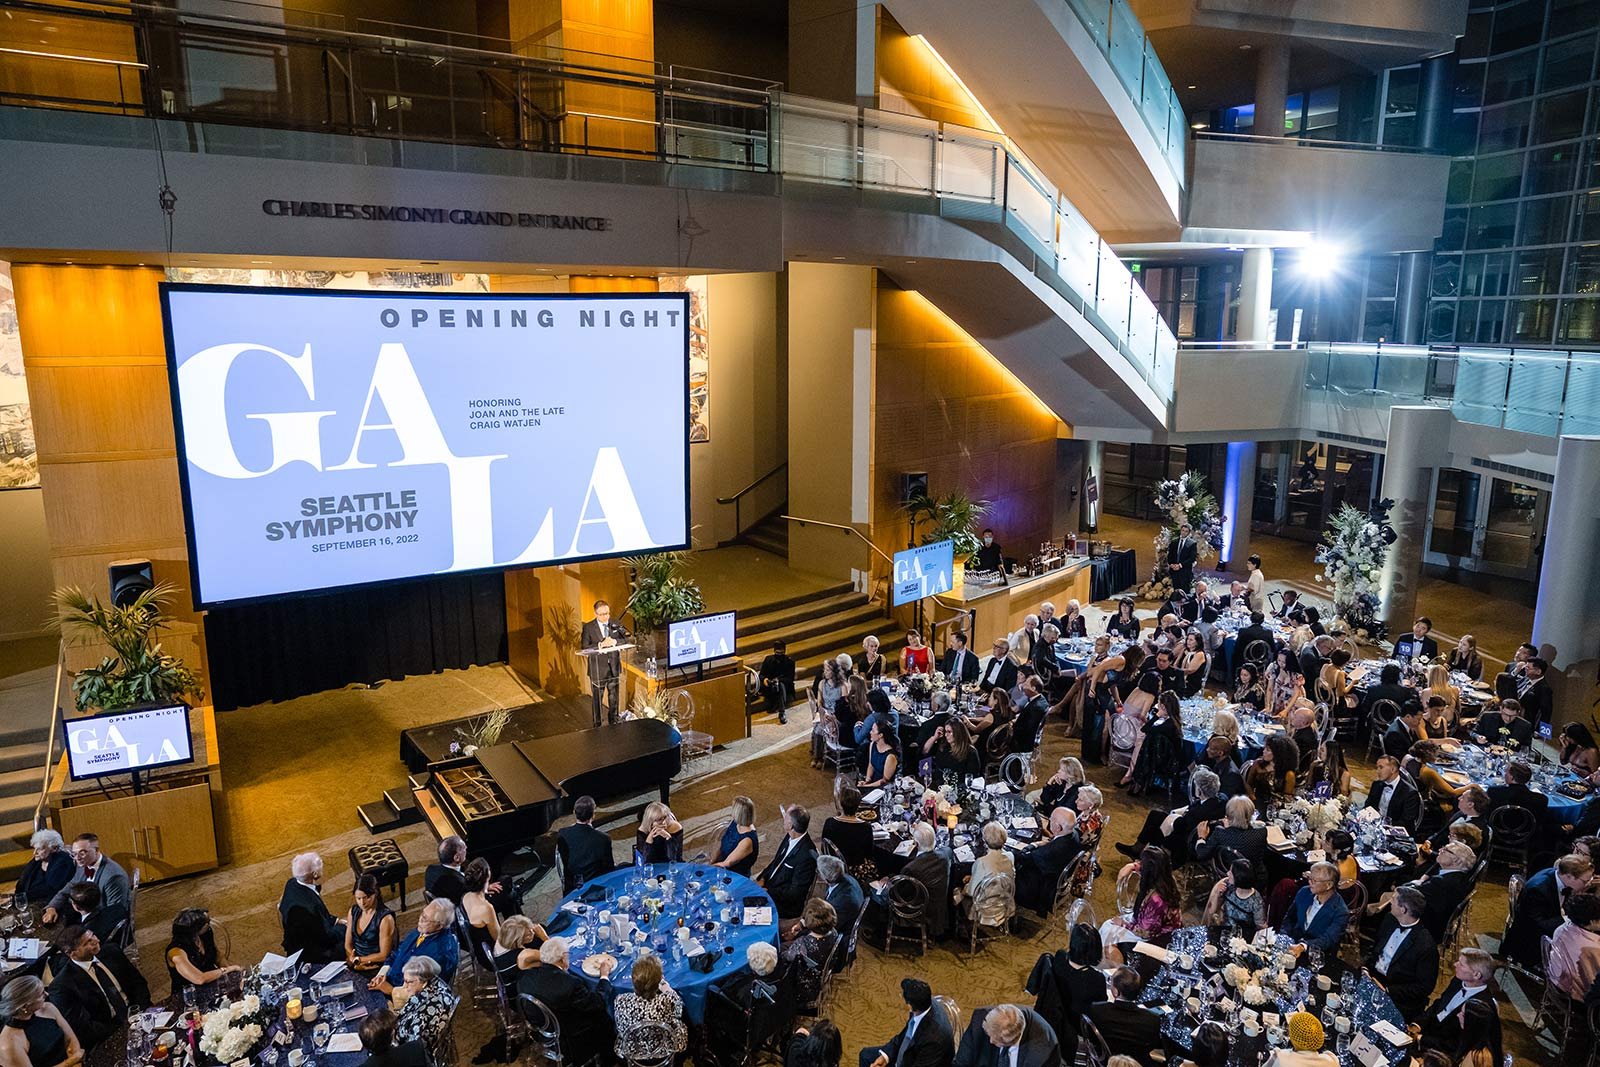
<point>18,833</point>
<point>401,799</point>
<point>754,622</point>
<point>24,781</point>
<point>11,863</point>
<point>33,735</point>
<point>862,620</point>
<point>766,544</point>
<point>18,808</point>
<point>27,755</point>
<point>771,606</point>
<point>380,817</point>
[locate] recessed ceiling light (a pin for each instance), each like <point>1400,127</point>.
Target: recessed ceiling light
<point>1246,47</point>
<point>1194,86</point>
<point>1197,125</point>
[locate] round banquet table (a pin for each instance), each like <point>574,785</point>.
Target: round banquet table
<point>732,941</point>
<point>1486,767</point>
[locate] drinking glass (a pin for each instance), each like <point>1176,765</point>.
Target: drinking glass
<point>320,1035</point>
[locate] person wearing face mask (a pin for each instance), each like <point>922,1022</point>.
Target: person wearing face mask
<point>988,557</point>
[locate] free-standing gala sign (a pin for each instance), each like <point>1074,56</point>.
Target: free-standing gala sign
<point>923,571</point>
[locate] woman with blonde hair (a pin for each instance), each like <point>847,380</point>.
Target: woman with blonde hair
<point>1061,791</point>
<point>1439,686</point>
<point>1226,724</point>
<point>34,1034</point>
<point>870,663</point>
<point>659,838</point>
<point>740,845</point>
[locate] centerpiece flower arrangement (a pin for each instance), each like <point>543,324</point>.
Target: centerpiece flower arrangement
<point>1183,500</point>
<point>234,1031</point>
<point>1302,818</point>
<point>1352,552</point>
<point>1257,970</point>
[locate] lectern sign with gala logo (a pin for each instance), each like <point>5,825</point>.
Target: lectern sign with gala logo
<point>332,439</point>
<point>923,571</point>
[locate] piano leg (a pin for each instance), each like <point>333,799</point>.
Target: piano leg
<point>666,787</point>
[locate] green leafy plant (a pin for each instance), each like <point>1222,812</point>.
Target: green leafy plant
<point>954,516</point>
<point>137,671</point>
<point>661,591</point>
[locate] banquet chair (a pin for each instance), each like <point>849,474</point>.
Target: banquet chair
<point>442,1046</point>
<point>996,749</point>
<point>727,1037</point>
<point>1124,733</point>
<point>1274,602</point>
<point>543,1030</point>
<point>1513,892</point>
<point>127,942</point>
<point>1355,898</point>
<point>993,907</point>
<point>1556,1009</point>
<point>1378,719</point>
<point>1512,829</point>
<point>832,751</point>
<point>649,1037</point>
<point>907,920</point>
<point>1092,1047</point>
<point>1593,1059</point>
<point>1257,652</point>
<point>695,744</point>
<point>1075,883</point>
<point>952,1012</point>
<point>1458,932</point>
<point>1014,771</point>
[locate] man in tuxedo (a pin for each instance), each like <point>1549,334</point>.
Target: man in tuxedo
<point>1030,716</point>
<point>1395,799</point>
<point>1256,631</point>
<point>308,927</point>
<point>997,671</point>
<point>1318,915</point>
<point>777,680</point>
<point>1404,731</point>
<point>585,852</point>
<point>1441,1026</point>
<point>1538,910</point>
<point>97,988</point>
<point>1445,889</point>
<point>959,665</point>
<point>444,879</point>
<point>1533,691</point>
<point>1129,1028</point>
<point>788,877</point>
<point>605,668</point>
<point>1472,807</point>
<point>1008,1035</point>
<point>1161,666</point>
<point>1292,610</point>
<point>1182,551</point>
<point>1417,642</point>
<point>988,557</point>
<point>1390,689</point>
<point>1405,956</point>
<point>93,866</point>
<point>1516,791</point>
<point>1502,722</point>
<point>1174,606</point>
<point>85,908</point>
<point>1040,867</point>
<point>926,1040</point>
<point>586,1029</point>
<point>1173,830</point>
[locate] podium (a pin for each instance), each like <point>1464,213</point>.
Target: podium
<point>589,657</point>
<point>718,693</point>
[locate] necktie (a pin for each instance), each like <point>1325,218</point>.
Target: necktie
<point>905,1044</point>
<point>113,992</point>
<point>783,850</point>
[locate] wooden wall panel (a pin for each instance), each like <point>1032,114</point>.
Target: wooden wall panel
<point>68,83</point>
<point>612,30</point>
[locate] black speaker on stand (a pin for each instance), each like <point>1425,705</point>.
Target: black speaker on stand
<point>912,485</point>
<point>128,578</point>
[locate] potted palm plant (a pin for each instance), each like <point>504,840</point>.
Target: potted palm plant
<point>953,517</point>
<point>661,593</point>
<point>137,671</point>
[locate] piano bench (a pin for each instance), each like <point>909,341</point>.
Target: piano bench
<point>384,861</point>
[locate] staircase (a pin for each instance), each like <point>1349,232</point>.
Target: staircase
<point>771,534</point>
<point>815,626</point>
<point>21,775</point>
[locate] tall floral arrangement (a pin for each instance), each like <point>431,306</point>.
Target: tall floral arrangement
<point>1352,552</point>
<point>1183,500</point>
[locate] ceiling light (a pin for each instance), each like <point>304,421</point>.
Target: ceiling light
<point>1246,47</point>
<point>1194,86</point>
<point>1320,259</point>
<point>1197,125</point>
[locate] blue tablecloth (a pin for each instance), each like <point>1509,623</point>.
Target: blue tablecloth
<point>690,984</point>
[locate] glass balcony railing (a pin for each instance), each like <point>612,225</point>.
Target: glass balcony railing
<point>219,72</point>
<point>1116,31</point>
<point>1542,391</point>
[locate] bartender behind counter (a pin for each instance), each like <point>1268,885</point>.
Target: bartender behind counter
<point>988,557</point>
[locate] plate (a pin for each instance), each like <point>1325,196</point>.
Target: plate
<point>867,814</point>
<point>591,964</point>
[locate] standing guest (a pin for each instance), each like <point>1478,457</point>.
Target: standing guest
<point>788,877</point>
<point>447,878</point>
<point>1417,642</point>
<point>1502,723</point>
<point>1317,918</point>
<point>870,663</point>
<point>959,664</point>
<point>926,1040</point>
<point>915,657</point>
<point>652,1004</point>
<point>776,681</point>
<point>96,995</point>
<point>1061,789</point>
<point>1464,658</point>
<point>1405,957</point>
<point>308,927</point>
<point>1255,584</point>
<point>659,838</point>
<point>1009,1035</point>
<point>997,671</point>
<point>1516,791</point>
<point>586,1026</point>
<point>585,852</point>
<point>432,938</point>
<point>35,1032</point>
<point>1123,624</point>
<point>1443,1023</point>
<point>740,844</point>
<point>1533,691</point>
<point>93,866</point>
<point>1538,910</point>
<point>1181,555</point>
<point>605,667</point>
<point>1575,946</point>
<point>192,958</point>
<point>1129,1028</point>
<point>1306,1038</point>
<point>846,831</point>
<point>48,872</point>
<point>1235,901</point>
<point>429,1001</point>
<point>369,933</point>
<point>883,755</point>
<point>377,1037</point>
<point>988,557</point>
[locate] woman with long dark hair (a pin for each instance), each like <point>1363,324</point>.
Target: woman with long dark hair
<point>192,958</point>
<point>1194,663</point>
<point>369,932</point>
<point>883,754</point>
<point>1578,749</point>
<point>1155,911</point>
<point>1249,689</point>
<point>1479,1045</point>
<point>1123,624</point>
<point>817,1045</point>
<point>953,751</point>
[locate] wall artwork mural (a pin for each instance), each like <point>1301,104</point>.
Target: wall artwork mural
<point>19,461</point>
<point>699,352</point>
<point>433,281</point>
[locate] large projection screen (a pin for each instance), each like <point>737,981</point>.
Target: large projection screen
<point>335,439</point>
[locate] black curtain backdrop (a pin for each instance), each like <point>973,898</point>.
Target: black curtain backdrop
<point>289,648</point>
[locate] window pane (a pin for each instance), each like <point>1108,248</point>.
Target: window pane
<point>1472,276</point>
<point>1580,320</point>
<point>1570,16</point>
<point>1379,324</point>
<point>1583,270</point>
<point>1561,117</point>
<point>1538,273</point>
<point>1400,132</point>
<point>1567,63</point>
<point>1402,95</point>
<point>1467,320</point>
<point>1382,275</point>
<point>1475,42</point>
<point>1442,322</point>
<point>1469,84</point>
<point>1544,222</point>
<point>1460,187</point>
<point>1551,170</point>
<point>1503,127</point>
<point>1496,273</point>
<point>1587,228</point>
<point>1454,232</point>
<point>1491,321</point>
<point>1461,134</point>
<point>1497,177</point>
<point>1535,321</point>
<point>1509,78</point>
<point>1446,275</point>
<point>1517,25</point>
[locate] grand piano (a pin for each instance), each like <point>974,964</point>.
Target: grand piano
<point>502,797</point>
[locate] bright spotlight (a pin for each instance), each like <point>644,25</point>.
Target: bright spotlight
<point>1320,259</point>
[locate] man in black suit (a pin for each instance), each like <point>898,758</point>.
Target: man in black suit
<point>788,877</point>
<point>1393,797</point>
<point>1161,666</point>
<point>999,671</point>
<point>1008,1035</point>
<point>1503,722</point>
<point>1533,691</point>
<point>1030,717</point>
<point>377,1037</point>
<point>585,852</point>
<point>1040,867</point>
<point>1405,956</point>
<point>605,668</point>
<point>1417,642</point>
<point>97,989</point>
<point>1292,611</point>
<point>1538,910</point>
<point>930,866</point>
<point>959,664</point>
<point>1129,1028</point>
<point>1445,890</point>
<point>1404,731</point>
<point>586,1029</point>
<point>93,866</point>
<point>1390,689</point>
<point>1182,551</point>
<point>444,879</point>
<point>308,927</point>
<point>1045,664</point>
<point>85,908</point>
<point>844,893</point>
<point>1256,631</point>
<point>926,1040</point>
<point>1516,791</point>
<point>1172,830</point>
<point>1441,1026</point>
<point>777,680</point>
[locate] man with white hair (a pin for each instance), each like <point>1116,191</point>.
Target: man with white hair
<point>757,981</point>
<point>586,1029</point>
<point>1172,830</point>
<point>844,893</point>
<point>1008,1035</point>
<point>434,937</point>
<point>930,866</point>
<point>1039,868</point>
<point>308,927</point>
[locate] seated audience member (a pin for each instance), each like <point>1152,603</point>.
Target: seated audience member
<point>1129,1028</point>
<point>1172,831</point>
<point>34,1033</point>
<point>1465,658</point>
<point>806,954</point>
<point>1306,1038</point>
<point>926,1040</point>
<point>429,1001</point>
<point>447,878</point>
<point>96,995</point>
<point>843,893</point>
<point>1443,1023</point>
<point>85,908</point>
<point>1393,796</point>
<point>650,1022</point>
<point>48,872</point>
<point>1237,835</point>
<point>1390,688</point>
<point>1123,624</point>
<point>581,1009</point>
<point>517,948</point>
<point>1538,910</point>
<point>1516,791</point>
<point>788,877</point>
<point>308,927</point>
<point>432,938</point>
<point>1235,900</point>
<point>1575,946</point>
<point>740,845</point>
<point>1061,789</point>
<point>1039,868</point>
<point>930,865</point>
<point>995,860</point>
<point>371,930</point>
<point>659,838</point>
<point>869,665</point>
<point>1220,757</point>
<point>1417,642</point>
<point>1249,689</point>
<point>378,1039</point>
<point>1446,888</point>
<point>1317,918</point>
<point>815,1045</point>
<point>998,670</point>
<point>1008,1034</point>
<point>92,866</point>
<point>847,831</point>
<point>1405,956</point>
<point>1030,716</point>
<point>1406,729</point>
<point>193,961</point>
<point>1066,983</point>
<point>482,924</point>
<point>883,755</point>
<point>776,681</point>
<point>959,664</point>
<point>757,981</point>
<point>1502,723</point>
<point>1157,904</point>
<point>1533,691</point>
<point>953,752</point>
<point>585,852</point>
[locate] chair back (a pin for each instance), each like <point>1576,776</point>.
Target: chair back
<point>1512,828</point>
<point>995,901</point>
<point>1385,711</point>
<point>1014,771</point>
<point>1094,1042</point>
<point>442,1043</point>
<point>828,848</point>
<point>126,942</point>
<point>543,1026</point>
<point>1074,882</point>
<point>952,1011</point>
<point>1257,652</point>
<point>729,1031</point>
<point>908,899</point>
<point>649,1045</point>
<point>850,940</point>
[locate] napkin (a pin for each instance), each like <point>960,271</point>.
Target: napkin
<point>757,916</point>
<point>329,971</point>
<point>693,948</point>
<point>880,833</point>
<point>272,963</point>
<point>964,854</point>
<point>873,797</point>
<point>1390,1032</point>
<point>155,1020</point>
<point>904,848</point>
<point>354,1012</point>
<point>1276,837</point>
<point>1367,1053</point>
<point>344,1042</point>
<point>997,789</point>
<point>1155,952</point>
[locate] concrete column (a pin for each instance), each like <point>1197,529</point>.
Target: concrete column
<point>1272,88</point>
<point>1569,581</point>
<point>1238,502</point>
<point>1419,442</point>
<point>1411,297</point>
<point>1435,102</point>
<point>1255,296</point>
<point>833,50</point>
<point>1093,463</point>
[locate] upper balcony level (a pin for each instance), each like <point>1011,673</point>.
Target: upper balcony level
<point>1078,84</point>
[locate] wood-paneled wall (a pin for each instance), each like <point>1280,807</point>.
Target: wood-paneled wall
<point>608,31</point>
<point>76,82</point>
<point>102,415</point>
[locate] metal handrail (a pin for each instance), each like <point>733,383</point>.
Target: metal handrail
<point>736,498</point>
<point>847,529</point>
<point>1315,142</point>
<point>74,59</point>
<point>56,713</point>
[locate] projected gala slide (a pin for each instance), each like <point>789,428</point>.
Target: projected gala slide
<point>332,439</point>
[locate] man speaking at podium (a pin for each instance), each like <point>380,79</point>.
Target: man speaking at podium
<point>605,669</point>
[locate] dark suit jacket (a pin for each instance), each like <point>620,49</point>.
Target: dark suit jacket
<point>1442,837</point>
<point>585,1017</point>
<point>779,670</point>
<point>1538,914</point>
<point>103,920</point>
<point>1398,739</point>
<point>1246,842</point>
<point>788,879</point>
<point>1044,661</point>
<point>1249,636</point>
<point>1183,552</point>
<point>1536,701</point>
<point>1405,808</point>
<point>1029,721</point>
<point>1006,679</point>
<point>1039,868</point>
<point>1520,795</point>
<point>410,1054</point>
<point>442,881</point>
<point>108,875</point>
<point>1208,810</point>
<point>847,900</point>
<point>1325,930</point>
<point>932,869</point>
<point>1445,1034</point>
<point>585,854</point>
<point>603,668</point>
<point>308,927</point>
<point>1427,646</point>
<point>1413,972</point>
<point>1037,1048</point>
<point>969,665</point>
<point>84,1005</point>
<point>1129,1029</point>
<point>1398,694</point>
<point>933,1045</point>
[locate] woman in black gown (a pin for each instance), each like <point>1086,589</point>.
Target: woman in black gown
<point>32,1031</point>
